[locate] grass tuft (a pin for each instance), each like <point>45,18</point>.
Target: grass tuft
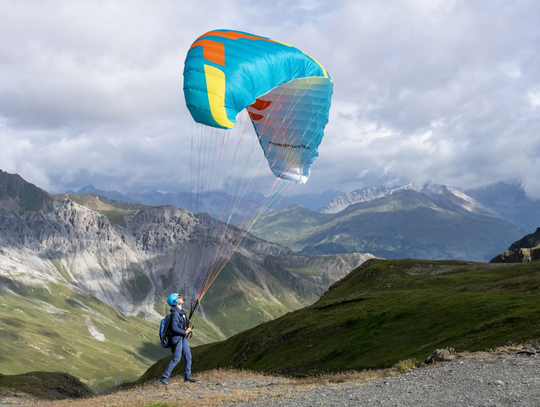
<point>406,365</point>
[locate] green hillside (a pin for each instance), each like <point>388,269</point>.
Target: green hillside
<point>58,328</point>
<point>49,329</point>
<point>387,311</point>
<point>290,226</point>
<point>43,385</point>
<point>406,224</point>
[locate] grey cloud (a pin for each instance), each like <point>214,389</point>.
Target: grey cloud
<point>91,91</point>
<point>463,66</point>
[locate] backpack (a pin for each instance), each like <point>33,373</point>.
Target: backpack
<point>165,331</point>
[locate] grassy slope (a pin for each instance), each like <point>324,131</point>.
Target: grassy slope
<point>48,331</point>
<point>387,311</point>
<point>44,385</point>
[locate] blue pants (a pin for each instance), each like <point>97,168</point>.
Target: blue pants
<point>181,348</point>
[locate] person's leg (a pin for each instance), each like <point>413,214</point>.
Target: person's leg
<point>177,354</point>
<point>187,358</point>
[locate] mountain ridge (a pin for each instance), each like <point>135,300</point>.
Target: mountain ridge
<point>499,199</point>
<point>441,193</point>
<point>404,223</point>
<point>17,195</point>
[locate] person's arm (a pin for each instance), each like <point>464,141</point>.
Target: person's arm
<point>176,326</point>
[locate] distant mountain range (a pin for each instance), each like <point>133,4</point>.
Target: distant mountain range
<point>429,222</point>
<point>502,213</point>
<point>440,193</point>
<point>217,204</point>
<point>314,201</point>
<point>507,200</point>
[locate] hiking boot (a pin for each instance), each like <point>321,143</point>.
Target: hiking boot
<point>164,381</point>
<point>189,379</point>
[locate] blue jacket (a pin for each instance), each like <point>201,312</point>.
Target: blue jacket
<point>178,324</point>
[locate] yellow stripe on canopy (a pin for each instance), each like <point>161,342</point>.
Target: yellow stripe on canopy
<point>215,85</point>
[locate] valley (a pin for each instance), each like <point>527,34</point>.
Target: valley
<point>128,258</point>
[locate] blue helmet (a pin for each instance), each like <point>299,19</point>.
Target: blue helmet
<point>172,300</point>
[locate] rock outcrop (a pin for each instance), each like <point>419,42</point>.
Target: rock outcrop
<point>524,250</point>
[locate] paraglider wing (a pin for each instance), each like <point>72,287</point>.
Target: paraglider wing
<point>286,92</point>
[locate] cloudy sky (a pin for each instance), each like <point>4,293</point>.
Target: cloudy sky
<point>440,90</point>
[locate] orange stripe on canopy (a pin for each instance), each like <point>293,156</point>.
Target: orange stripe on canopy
<point>254,116</point>
<point>213,51</point>
<point>261,104</point>
<point>234,35</point>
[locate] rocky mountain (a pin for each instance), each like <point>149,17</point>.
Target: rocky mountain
<point>524,250</point>
<point>436,222</point>
<point>445,196</point>
<point>341,202</point>
<point>132,258</point>
<point>18,196</point>
<point>511,201</point>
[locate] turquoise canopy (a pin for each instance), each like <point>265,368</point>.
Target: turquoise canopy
<point>286,92</point>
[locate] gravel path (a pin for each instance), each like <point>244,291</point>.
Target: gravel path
<point>487,380</point>
<point>484,380</point>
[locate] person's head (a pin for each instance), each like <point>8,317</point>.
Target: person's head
<point>175,299</point>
